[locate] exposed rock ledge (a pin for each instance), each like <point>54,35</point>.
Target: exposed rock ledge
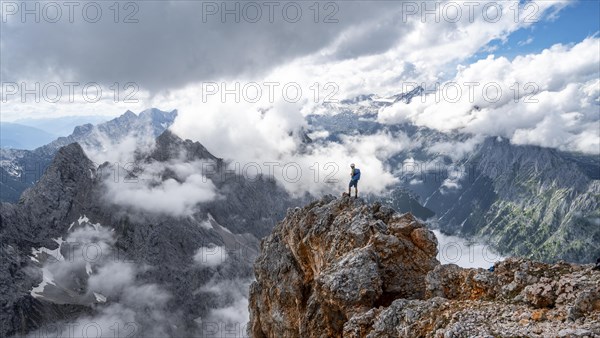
<point>343,268</point>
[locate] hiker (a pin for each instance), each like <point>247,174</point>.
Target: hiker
<point>354,177</point>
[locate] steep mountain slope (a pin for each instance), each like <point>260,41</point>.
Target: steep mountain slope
<point>22,168</point>
<point>185,266</point>
<point>527,200</point>
<point>343,268</point>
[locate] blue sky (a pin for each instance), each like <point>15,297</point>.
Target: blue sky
<point>574,23</point>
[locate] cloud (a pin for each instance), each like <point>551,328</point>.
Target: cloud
<point>270,144</point>
<point>111,279</point>
<point>370,48</point>
<point>233,316</point>
<point>236,313</point>
<point>85,246</point>
<point>182,42</point>
<point>455,150</point>
<point>152,190</point>
<point>526,42</point>
<point>92,272</point>
<point>497,99</point>
<point>429,41</point>
<point>455,175</point>
<point>105,148</point>
<point>267,130</point>
<point>465,253</point>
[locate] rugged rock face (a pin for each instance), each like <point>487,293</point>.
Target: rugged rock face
<point>333,260</point>
<point>344,268</point>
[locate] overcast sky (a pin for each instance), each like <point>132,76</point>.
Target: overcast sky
<point>165,53</point>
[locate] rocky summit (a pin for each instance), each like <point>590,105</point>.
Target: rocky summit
<point>341,267</point>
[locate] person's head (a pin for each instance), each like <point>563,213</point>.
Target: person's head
<point>352,165</point>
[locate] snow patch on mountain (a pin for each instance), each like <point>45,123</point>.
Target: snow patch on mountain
<point>94,273</point>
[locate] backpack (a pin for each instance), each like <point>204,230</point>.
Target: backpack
<point>356,174</point>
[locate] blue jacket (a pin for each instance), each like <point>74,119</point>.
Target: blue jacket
<point>356,174</point>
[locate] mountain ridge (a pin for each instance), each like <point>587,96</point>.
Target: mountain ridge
<point>20,168</point>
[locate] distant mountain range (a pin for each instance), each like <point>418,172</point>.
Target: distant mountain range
<point>19,136</point>
<point>63,125</point>
<point>31,133</point>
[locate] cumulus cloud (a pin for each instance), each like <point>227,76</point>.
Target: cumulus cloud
<point>428,42</point>
<point>455,175</point>
<point>153,191</point>
<point>549,99</point>
<point>271,141</point>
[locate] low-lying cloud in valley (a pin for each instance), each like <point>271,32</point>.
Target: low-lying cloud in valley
<point>91,270</point>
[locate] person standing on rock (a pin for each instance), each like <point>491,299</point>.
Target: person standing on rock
<point>354,177</point>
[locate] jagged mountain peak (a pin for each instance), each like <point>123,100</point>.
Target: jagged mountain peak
<point>170,146</point>
<point>149,123</point>
<point>408,96</point>
<point>64,188</point>
<point>156,113</point>
<point>83,129</point>
<point>70,164</point>
<point>72,150</point>
<point>129,114</point>
<point>497,156</point>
